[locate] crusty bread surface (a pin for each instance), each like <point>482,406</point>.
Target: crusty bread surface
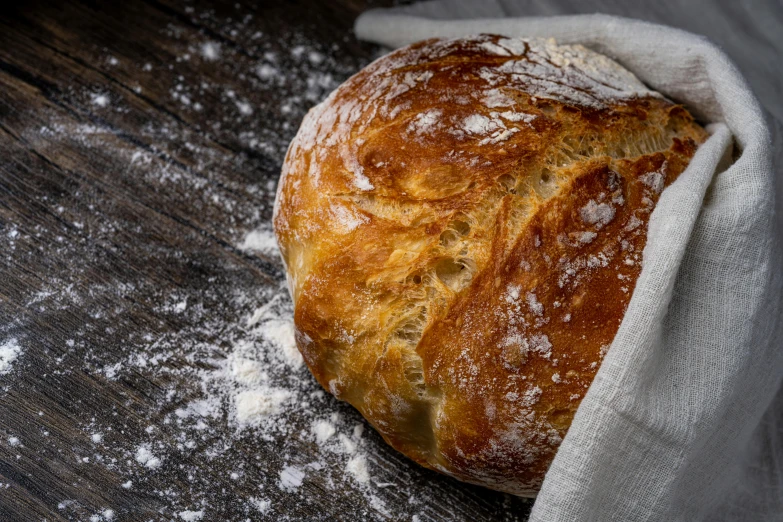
<point>462,224</point>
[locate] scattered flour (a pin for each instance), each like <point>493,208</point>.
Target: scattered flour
<point>540,344</point>
<point>267,72</point>
<point>534,304</point>
<point>281,333</point>
<point>517,116</point>
<point>424,122</point>
<point>531,396</point>
<point>244,108</point>
<point>210,51</point>
<point>361,181</point>
<point>145,457</point>
<point>246,371</point>
<point>261,240</point>
<point>357,467</point>
<point>598,214</point>
<point>654,180</point>
<point>253,405</point>
<point>9,352</point>
<point>497,98</point>
<point>112,370</point>
<point>479,124</point>
<point>323,430</point>
<point>587,237</point>
<point>291,478</point>
<point>346,219</point>
<point>261,505</point>
<point>191,516</point>
<point>101,100</point>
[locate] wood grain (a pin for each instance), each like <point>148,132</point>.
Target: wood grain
<point>119,199</point>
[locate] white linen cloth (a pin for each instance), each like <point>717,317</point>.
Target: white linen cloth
<point>684,420</point>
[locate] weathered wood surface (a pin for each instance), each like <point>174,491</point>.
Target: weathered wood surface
<point>133,162</point>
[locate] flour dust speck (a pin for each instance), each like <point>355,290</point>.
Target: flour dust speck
<point>9,352</point>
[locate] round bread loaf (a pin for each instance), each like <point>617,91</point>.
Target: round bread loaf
<point>462,224</point>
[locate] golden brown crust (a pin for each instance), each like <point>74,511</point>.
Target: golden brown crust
<point>462,223</point>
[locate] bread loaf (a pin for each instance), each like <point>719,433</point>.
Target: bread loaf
<point>462,224</point>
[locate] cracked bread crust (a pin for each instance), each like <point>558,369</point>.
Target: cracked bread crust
<point>462,224</point>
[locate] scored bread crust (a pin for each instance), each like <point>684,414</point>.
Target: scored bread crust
<point>462,224</point>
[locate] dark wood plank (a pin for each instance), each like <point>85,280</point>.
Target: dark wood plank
<point>134,165</point>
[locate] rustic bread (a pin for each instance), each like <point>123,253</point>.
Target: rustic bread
<point>462,224</point>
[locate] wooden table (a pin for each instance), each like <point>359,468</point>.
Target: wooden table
<point>140,143</point>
